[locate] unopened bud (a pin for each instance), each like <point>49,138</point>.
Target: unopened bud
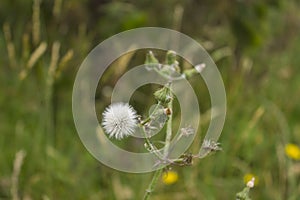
<point>196,70</point>
<point>171,58</point>
<point>151,61</point>
<point>163,95</point>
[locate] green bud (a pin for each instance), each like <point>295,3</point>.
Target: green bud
<point>243,195</point>
<point>163,95</point>
<point>151,61</point>
<point>150,58</point>
<point>171,58</point>
<point>195,70</point>
<point>188,73</point>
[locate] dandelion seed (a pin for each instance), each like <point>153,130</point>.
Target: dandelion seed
<point>119,120</point>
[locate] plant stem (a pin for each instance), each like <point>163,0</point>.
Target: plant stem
<point>149,118</point>
<point>152,184</point>
<point>169,129</point>
<point>158,172</point>
<point>151,146</point>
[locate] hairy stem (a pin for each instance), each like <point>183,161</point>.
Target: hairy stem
<point>152,184</point>
<point>153,149</point>
<point>149,118</point>
<point>169,130</point>
<point>158,172</point>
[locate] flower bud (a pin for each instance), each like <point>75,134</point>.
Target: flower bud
<point>163,95</point>
<point>151,61</point>
<point>171,60</point>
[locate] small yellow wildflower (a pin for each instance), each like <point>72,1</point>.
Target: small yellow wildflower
<point>292,151</point>
<point>170,177</point>
<point>248,178</point>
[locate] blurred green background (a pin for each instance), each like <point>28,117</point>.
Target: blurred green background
<point>255,44</point>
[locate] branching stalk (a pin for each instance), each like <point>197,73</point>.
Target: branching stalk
<point>158,172</point>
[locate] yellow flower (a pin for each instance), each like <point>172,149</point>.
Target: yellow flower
<point>292,151</point>
<point>170,177</point>
<point>248,178</point>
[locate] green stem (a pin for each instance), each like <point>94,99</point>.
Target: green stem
<point>149,118</point>
<point>167,76</point>
<point>158,172</point>
<point>152,184</point>
<point>169,129</point>
<point>151,146</point>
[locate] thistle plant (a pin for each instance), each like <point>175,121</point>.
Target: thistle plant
<point>120,120</point>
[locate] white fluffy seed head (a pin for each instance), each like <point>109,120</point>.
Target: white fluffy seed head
<point>119,120</point>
